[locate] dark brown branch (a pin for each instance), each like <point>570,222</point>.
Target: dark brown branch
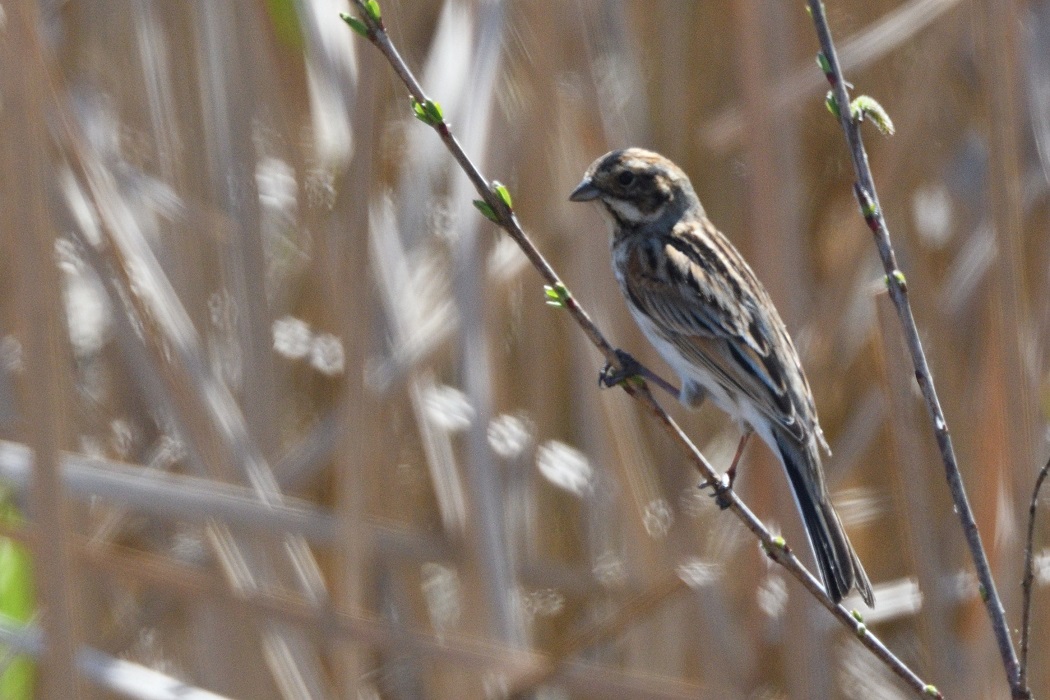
<point>868,200</point>
<point>505,218</point>
<point>1029,576</point>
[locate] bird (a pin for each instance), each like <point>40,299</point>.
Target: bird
<point>701,306</point>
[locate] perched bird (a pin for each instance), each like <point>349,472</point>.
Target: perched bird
<point>701,306</point>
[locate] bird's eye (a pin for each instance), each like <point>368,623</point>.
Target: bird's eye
<point>625,178</point>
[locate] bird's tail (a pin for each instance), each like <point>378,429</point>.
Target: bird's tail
<point>839,566</point>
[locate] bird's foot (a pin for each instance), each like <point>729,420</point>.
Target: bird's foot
<point>631,368</point>
<point>720,489</point>
<point>611,376</point>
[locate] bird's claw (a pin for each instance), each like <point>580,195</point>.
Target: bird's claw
<point>720,489</point>
<point>611,376</point>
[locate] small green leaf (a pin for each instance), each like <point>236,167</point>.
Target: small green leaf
<point>501,191</point>
<point>557,294</point>
<point>355,24</point>
<point>832,104</point>
<point>822,61</point>
<point>862,630</point>
<point>434,111</point>
<point>866,107</point>
<point>856,615</point>
<point>486,210</point>
<point>372,8</point>
<point>931,690</point>
<point>779,542</point>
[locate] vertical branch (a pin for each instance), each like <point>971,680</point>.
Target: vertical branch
<point>1029,577</point>
<point>867,197</point>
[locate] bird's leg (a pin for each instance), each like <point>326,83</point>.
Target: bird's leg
<point>731,472</point>
<point>610,377</point>
<point>629,367</point>
<point>729,478</point>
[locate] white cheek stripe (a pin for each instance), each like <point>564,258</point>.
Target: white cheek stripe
<point>629,212</point>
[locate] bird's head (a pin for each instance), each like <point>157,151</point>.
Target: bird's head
<point>637,188</point>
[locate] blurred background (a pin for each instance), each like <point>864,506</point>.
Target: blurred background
<point>283,417</point>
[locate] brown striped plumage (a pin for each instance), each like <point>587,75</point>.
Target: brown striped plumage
<point>699,303</point>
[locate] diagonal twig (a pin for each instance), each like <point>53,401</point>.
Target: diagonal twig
<point>497,207</point>
<point>868,200</point>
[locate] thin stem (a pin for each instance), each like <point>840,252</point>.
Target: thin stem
<point>898,291</point>
<point>777,550</point>
<point>1029,577</point>
<point>507,220</point>
<point>726,497</point>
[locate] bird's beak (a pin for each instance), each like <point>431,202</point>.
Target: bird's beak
<point>584,192</point>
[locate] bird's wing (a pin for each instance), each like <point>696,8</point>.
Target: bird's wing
<point>706,302</point>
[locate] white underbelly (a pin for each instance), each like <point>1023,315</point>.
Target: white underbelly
<point>690,373</point>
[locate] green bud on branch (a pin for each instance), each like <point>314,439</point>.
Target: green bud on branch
<point>428,112</point>
<point>868,208</point>
<point>355,24</point>
<point>809,10</point>
<point>374,13</point>
<point>832,104</point>
<point>777,542</point>
<point>501,191</point>
<point>486,210</point>
<point>557,295</point>
<point>822,62</point>
<point>867,107</point>
<point>861,108</point>
<point>897,277</point>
